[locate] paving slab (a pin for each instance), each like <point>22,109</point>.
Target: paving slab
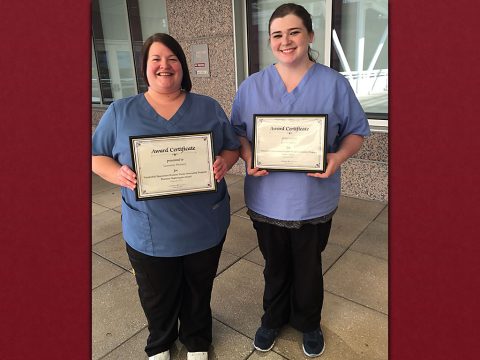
<point>355,320</point>
<point>242,213</point>
<point>103,271</point>
<point>383,216</point>
<point>116,314</point>
<point>270,355</point>
<point>255,256</point>
<point>360,278</point>
<point>236,196</point>
<point>226,260</point>
<point>232,179</point>
<point>99,185</point>
<point>241,237</point>
<point>352,332</point>
<point>226,344</point>
<point>365,209</point>
<point>237,297</point>
<point>97,209</point>
<point>105,225</point>
<point>110,198</point>
<point>330,255</point>
<point>114,250</point>
<point>373,241</point>
<point>131,349</point>
<point>346,229</point>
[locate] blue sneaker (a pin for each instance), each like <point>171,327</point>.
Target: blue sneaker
<point>313,343</point>
<point>265,338</point>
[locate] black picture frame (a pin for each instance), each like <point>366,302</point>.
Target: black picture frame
<point>187,174</point>
<point>295,137</point>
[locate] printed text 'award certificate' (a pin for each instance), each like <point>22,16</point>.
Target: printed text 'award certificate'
<point>176,164</point>
<point>290,142</point>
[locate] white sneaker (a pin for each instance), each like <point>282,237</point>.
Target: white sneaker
<point>162,356</point>
<point>201,355</point>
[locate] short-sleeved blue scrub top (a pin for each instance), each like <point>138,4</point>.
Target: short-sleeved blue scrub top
<point>172,226</point>
<point>292,195</point>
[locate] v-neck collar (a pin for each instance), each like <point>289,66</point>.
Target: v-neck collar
<point>175,118</point>
<point>289,98</point>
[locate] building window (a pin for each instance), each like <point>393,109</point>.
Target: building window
<point>351,36</point>
<point>258,15</point>
<point>119,28</point>
<point>359,50</point>
<point>96,96</point>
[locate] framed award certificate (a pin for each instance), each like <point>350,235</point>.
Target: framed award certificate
<point>173,164</point>
<point>290,142</point>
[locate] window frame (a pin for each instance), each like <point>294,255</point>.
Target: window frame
<point>378,121</point>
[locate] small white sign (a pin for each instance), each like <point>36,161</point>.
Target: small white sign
<point>200,60</point>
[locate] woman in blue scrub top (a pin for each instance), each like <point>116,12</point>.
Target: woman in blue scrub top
<point>292,212</point>
<point>173,243</point>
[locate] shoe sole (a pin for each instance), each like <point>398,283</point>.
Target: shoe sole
<point>313,355</point>
<point>263,350</point>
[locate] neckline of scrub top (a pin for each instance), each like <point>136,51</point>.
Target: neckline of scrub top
<point>289,98</point>
<point>175,118</point>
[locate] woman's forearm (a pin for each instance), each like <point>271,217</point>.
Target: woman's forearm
<point>245,149</point>
<point>349,146</point>
<point>106,167</point>
<point>230,157</point>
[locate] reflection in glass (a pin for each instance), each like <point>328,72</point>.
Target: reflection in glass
<point>360,50</point>
<point>119,29</point>
<point>96,97</point>
<point>118,48</point>
<point>153,17</point>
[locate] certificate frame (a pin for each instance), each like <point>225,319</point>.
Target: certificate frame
<point>290,142</point>
<point>173,164</point>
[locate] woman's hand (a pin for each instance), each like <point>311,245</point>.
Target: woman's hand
<point>333,163</point>
<point>246,155</point>
<point>255,171</point>
<point>224,162</point>
<point>220,168</point>
<point>126,177</point>
<point>110,170</point>
<point>349,146</point>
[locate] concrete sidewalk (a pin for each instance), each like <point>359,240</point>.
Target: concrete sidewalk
<point>355,312</point>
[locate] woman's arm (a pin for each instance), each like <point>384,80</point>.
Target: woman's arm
<point>224,162</point>
<point>348,147</point>
<point>113,172</point>
<point>246,155</point>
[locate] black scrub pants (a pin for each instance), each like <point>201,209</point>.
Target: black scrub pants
<point>173,289</point>
<point>293,274</point>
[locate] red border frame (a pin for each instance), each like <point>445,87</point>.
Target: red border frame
<point>45,197</point>
<point>45,193</point>
<point>434,244</point>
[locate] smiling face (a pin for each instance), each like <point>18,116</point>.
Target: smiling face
<point>164,70</point>
<point>289,40</point>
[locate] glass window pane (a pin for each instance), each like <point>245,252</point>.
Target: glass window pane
<point>360,50</point>
<point>150,18</point>
<point>118,48</point>
<point>96,97</point>
<point>259,15</point>
<point>153,17</point>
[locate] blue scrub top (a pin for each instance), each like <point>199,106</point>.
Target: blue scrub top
<point>173,226</point>
<point>289,195</point>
